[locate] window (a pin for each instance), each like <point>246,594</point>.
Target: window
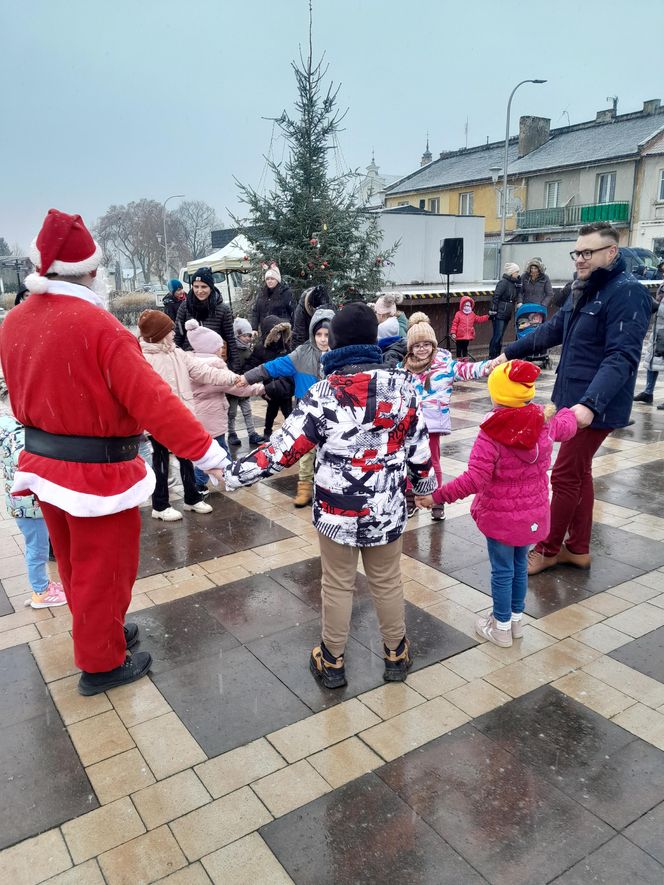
<point>606,187</point>
<point>660,193</point>
<point>434,204</point>
<point>510,202</point>
<point>423,204</point>
<point>552,195</point>
<point>403,203</point>
<point>466,203</point>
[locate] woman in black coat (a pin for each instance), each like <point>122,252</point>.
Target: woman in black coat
<point>204,303</point>
<point>275,299</point>
<point>505,296</point>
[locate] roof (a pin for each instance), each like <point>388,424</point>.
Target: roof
<point>576,145</point>
<point>472,164</point>
<point>592,144</point>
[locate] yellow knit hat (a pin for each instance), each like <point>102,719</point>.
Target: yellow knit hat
<point>513,383</point>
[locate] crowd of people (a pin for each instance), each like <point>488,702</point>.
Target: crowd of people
<point>364,392</point>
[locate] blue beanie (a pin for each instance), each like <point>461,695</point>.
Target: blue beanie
<point>174,285</point>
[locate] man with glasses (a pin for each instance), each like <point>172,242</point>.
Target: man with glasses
<point>601,327</point>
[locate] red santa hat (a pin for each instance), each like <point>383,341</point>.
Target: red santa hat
<point>63,246</point>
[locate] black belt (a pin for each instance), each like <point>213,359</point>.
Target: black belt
<point>83,449</point>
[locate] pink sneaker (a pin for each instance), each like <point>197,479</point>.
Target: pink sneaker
<point>52,597</point>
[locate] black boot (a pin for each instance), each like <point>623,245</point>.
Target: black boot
<point>134,667</point>
<point>397,662</point>
<point>644,397</point>
<point>328,669</point>
<point>255,439</point>
<point>131,634</point>
<point>233,439</point>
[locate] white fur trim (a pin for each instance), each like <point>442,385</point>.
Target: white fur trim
<point>214,457</point>
<point>67,268</point>
<point>37,283</point>
<point>59,287</point>
<point>80,503</point>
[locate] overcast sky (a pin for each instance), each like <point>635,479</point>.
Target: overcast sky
<point>108,101</point>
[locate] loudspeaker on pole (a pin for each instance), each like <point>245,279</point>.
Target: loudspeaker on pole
<point>451,256</point>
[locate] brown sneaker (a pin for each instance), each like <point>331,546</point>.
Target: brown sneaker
<point>487,628</point>
<point>517,629</point>
<point>579,560</point>
<point>537,562</point>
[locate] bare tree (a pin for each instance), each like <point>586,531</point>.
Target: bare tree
<point>197,220</point>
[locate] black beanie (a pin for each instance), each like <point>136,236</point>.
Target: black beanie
<point>204,274</point>
<point>355,323</point>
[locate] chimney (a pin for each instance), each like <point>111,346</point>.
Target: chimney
<point>652,106</point>
<point>605,115</point>
<point>533,133</point>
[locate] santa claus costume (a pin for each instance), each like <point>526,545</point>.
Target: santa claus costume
<point>79,383</point>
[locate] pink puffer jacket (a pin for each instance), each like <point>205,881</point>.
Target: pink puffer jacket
<point>510,484</point>
<point>210,403</point>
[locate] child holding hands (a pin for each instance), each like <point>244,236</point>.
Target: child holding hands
<point>507,473</point>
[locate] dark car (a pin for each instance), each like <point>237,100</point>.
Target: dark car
<point>640,262</point>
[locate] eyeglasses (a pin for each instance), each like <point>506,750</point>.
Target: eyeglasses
<point>587,254</point>
<point>422,344</point>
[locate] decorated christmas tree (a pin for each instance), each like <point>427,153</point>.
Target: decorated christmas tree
<point>310,221</point>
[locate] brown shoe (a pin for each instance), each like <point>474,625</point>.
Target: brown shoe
<point>304,492</point>
<point>579,560</point>
<point>537,562</point>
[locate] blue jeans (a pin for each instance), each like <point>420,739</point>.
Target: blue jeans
<point>509,578</point>
<point>651,380</point>
<point>36,550</point>
<point>497,339</point>
<point>202,478</point>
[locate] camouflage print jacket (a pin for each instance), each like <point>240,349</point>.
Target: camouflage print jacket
<point>369,434</point>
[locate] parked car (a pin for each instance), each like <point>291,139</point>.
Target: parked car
<point>641,262</point>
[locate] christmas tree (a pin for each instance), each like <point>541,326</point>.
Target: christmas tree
<point>310,222</point>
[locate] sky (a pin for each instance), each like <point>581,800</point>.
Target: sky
<point>108,101</point>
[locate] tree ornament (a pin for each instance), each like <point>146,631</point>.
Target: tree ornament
<point>313,241</point>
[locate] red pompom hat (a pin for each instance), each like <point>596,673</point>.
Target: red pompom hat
<point>63,246</point>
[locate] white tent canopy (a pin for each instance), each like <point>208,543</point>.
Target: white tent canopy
<point>234,256</point>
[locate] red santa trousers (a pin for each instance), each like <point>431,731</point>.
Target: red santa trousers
<point>98,561</point>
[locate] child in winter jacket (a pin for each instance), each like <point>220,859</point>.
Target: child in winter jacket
<point>463,325</point>
<point>507,473</point>
<point>244,338</point>
<point>275,342</point>
<point>28,516</point>
<point>303,366</point>
<point>178,368</point>
<point>367,431</point>
<point>210,403</point>
<point>435,371</point>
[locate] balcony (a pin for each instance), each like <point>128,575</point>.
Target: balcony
<point>572,216</point>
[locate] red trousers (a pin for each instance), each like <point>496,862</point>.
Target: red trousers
<point>98,562</point>
<point>573,494</point>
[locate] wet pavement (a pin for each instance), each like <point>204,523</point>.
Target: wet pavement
<point>543,762</point>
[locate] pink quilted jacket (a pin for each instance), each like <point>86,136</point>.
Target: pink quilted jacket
<point>510,484</point>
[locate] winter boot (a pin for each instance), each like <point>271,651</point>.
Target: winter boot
<point>134,667</point>
<point>255,439</point>
<point>329,670</point>
<point>438,512</point>
<point>644,398</point>
<point>411,509</point>
<point>304,493</point>
<point>130,634</point>
<point>397,662</point>
<point>233,439</point>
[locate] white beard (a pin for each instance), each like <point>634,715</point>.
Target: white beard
<point>101,287</point>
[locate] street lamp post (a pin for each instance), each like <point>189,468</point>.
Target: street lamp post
<point>505,159</point>
<point>163,218</point>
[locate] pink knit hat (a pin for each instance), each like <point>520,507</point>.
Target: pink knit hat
<point>201,339</point>
<point>273,272</point>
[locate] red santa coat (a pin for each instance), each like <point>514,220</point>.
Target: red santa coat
<point>71,368</point>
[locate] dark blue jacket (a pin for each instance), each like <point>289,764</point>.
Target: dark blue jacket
<point>601,339</point>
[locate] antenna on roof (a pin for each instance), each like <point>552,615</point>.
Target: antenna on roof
<point>465,128</point>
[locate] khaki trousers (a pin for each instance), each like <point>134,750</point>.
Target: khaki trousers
<point>306,466</point>
<point>382,565</point>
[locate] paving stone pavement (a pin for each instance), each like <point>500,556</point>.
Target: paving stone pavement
<point>543,762</point>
